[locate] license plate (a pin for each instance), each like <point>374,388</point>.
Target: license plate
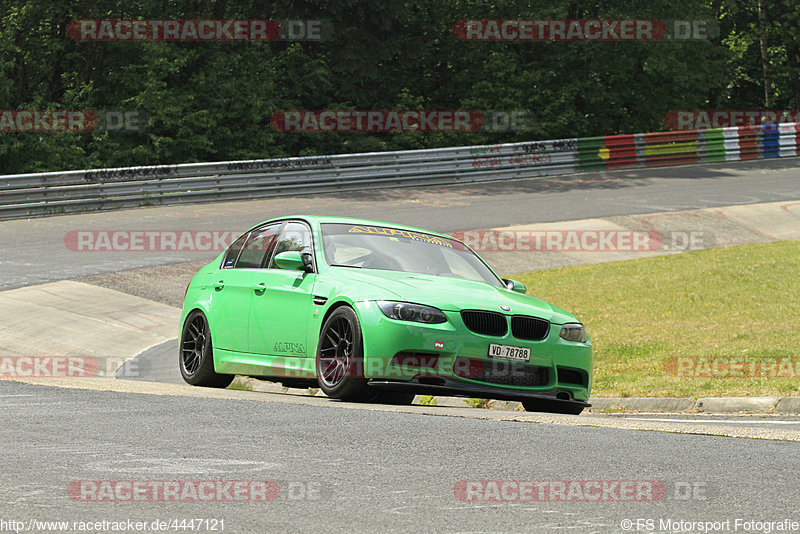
<point>507,352</point>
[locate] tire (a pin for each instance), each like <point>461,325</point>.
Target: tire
<point>554,406</point>
<point>398,398</point>
<point>340,358</point>
<point>196,357</point>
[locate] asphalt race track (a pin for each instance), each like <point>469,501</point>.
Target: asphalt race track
<point>341,467</point>
<point>368,471</point>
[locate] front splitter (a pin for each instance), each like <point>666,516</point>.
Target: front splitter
<point>454,388</point>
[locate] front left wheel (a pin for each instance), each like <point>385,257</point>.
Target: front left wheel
<point>197,354</point>
<point>340,358</point>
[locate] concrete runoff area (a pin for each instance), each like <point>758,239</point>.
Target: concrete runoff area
<point>73,319</point>
<point>662,233</point>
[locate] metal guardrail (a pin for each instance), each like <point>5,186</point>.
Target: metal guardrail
<point>31,195</point>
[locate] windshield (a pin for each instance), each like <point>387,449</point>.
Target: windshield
<point>393,249</point>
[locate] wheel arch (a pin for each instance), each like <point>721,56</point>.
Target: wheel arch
<point>187,312</point>
<point>341,301</point>
<point>335,306</point>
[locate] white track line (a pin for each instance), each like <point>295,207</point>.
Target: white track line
<point>726,421</point>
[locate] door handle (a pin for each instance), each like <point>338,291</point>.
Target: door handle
<point>219,284</point>
<point>258,288</point>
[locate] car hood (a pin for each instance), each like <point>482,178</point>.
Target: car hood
<point>451,294</point>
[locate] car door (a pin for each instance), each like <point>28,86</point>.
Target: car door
<point>279,314</point>
<point>234,287</point>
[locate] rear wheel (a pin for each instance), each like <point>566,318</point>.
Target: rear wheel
<point>340,358</point>
<point>554,406</point>
<point>197,354</point>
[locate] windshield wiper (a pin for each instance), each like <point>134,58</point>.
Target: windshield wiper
<point>343,265</point>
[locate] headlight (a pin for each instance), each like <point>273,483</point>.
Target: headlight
<point>405,311</point>
<point>574,332</point>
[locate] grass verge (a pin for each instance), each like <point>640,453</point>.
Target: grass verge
<point>643,315</point>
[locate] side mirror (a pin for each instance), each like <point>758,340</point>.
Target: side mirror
<point>513,285</point>
<point>292,260</point>
<point>308,262</point>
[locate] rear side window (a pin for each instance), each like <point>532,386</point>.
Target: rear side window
<point>259,246</point>
<point>233,252</point>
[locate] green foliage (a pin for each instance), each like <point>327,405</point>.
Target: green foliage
<point>479,403</point>
<point>210,101</point>
<point>241,384</point>
<point>427,400</point>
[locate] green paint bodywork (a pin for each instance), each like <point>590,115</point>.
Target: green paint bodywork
<point>265,322</point>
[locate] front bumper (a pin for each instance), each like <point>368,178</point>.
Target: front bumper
<point>451,342</point>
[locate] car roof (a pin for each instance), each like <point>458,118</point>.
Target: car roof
<point>363,222</point>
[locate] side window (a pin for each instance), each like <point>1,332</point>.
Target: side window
<point>233,252</point>
<point>295,236</point>
<point>259,246</point>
